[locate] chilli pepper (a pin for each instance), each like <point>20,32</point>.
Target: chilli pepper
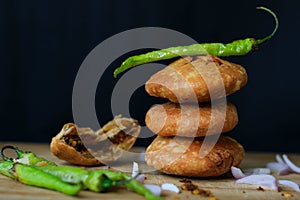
<point>131,184</point>
<point>28,158</point>
<point>6,167</point>
<point>94,180</point>
<point>32,170</point>
<point>31,175</point>
<point>235,48</point>
<point>98,180</point>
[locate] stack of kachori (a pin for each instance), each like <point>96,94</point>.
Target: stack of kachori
<point>189,128</point>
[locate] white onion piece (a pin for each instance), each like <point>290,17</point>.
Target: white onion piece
<point>281,168</point>
<point>258,171</point>
<point>265,180</point>
<point>237,172</point>
<point>155,189</point>
<point>290,184</point>
<point>279,159</point>
<point>135,169</point>
<point>24,160</point>
<point>140,178</point>
<point>290,164</point>
<point>170,187</point>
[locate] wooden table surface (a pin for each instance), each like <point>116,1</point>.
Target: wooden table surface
<point>222,187</point>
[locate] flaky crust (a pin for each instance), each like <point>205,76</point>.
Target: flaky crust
<point>191,120</point>
<point>180,156</point>
<point>197,79</point>
<point>63,151</point>
<point>83,146</point>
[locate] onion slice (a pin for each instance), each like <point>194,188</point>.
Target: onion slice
<point>155,189</point>
<point>135,169</point>
<point>290,164</point>
<point>140,178</point>
<point>265,180</point>
<point>136,173</point>
<point>237,172</point>
<point>279,159</point>
<point>290,184</point>
<point>170,187</point>
<point>281,168</point>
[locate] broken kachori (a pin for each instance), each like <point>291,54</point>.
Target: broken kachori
<point>83,146</point>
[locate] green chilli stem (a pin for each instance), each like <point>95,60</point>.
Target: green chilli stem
<point>260,41</point>
<point>16,149</point>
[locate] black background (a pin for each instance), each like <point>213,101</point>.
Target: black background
<point>44,42</point>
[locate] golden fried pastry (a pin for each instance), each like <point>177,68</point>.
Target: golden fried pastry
<point>197,79</point>
<point>180,156</point>
<point>83,146</point>
<point>191,120</point>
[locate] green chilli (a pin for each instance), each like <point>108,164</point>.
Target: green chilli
<point>6,167</point>
<point>36,171</point>
<point>28,158</point>
<point>31,175</point>
<point>235,48</point>
<point>97,180</point>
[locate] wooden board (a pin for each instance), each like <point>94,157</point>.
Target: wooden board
<point>222,188</point>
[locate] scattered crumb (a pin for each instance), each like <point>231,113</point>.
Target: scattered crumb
<point>260,189</point>
<point>189,186</point>
<point>196,191</point>
<point>185,180</point>
<point>286,195</point>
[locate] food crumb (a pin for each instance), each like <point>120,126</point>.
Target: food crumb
<point>260,189</point>
<point>189,186</point>
<point>185,180</point>
<point>196,191</point>
<point>244,191</point>
<point>286,195</point>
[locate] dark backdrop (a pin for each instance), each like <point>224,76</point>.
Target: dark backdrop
<point>44,42</point>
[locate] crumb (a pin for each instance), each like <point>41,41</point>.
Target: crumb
<point>286,195</point>
<point>260,189</point>
<point>244,191</point>
<point>185,180</point>
<point>196,191</point>
<point>189,186</point>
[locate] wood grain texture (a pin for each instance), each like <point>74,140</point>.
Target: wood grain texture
<point>222,187</point>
